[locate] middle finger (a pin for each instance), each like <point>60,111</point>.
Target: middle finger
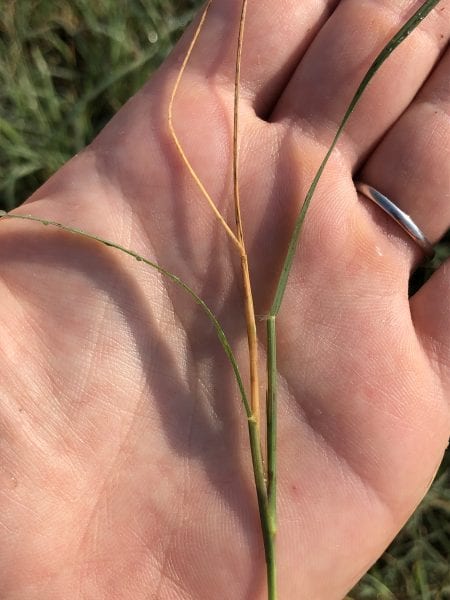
<point>328,76</point>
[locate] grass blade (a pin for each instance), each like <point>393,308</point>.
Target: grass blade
<point>398,38</point>
<point>219,330</point>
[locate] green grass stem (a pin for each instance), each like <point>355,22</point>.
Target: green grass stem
<point>272,421</point>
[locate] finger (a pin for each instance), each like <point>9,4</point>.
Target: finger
<point>321,89</point>
<point>430,310</point>
<point>412,164</point>
<point>276,36</point>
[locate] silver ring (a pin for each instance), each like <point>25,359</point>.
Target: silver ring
<point>400,217</point>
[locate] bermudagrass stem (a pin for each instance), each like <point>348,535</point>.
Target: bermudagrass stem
<point>271,454</point>
<point>272,422</point>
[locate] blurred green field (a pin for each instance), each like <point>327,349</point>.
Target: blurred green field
<point>65,68</point>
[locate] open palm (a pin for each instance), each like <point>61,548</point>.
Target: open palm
<point>125,464</point>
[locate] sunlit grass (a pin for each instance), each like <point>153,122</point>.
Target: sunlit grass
<point>65,68</point>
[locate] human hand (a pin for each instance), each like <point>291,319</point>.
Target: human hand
<point>125,464</point>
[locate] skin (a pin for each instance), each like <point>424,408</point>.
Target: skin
<point>125,470</point>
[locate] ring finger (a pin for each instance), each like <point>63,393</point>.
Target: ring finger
<point>412,164</point>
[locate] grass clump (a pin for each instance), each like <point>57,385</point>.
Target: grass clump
<point>65,69</point>
<point>416,565</point>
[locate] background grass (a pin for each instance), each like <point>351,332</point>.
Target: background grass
<point>65,68</point>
